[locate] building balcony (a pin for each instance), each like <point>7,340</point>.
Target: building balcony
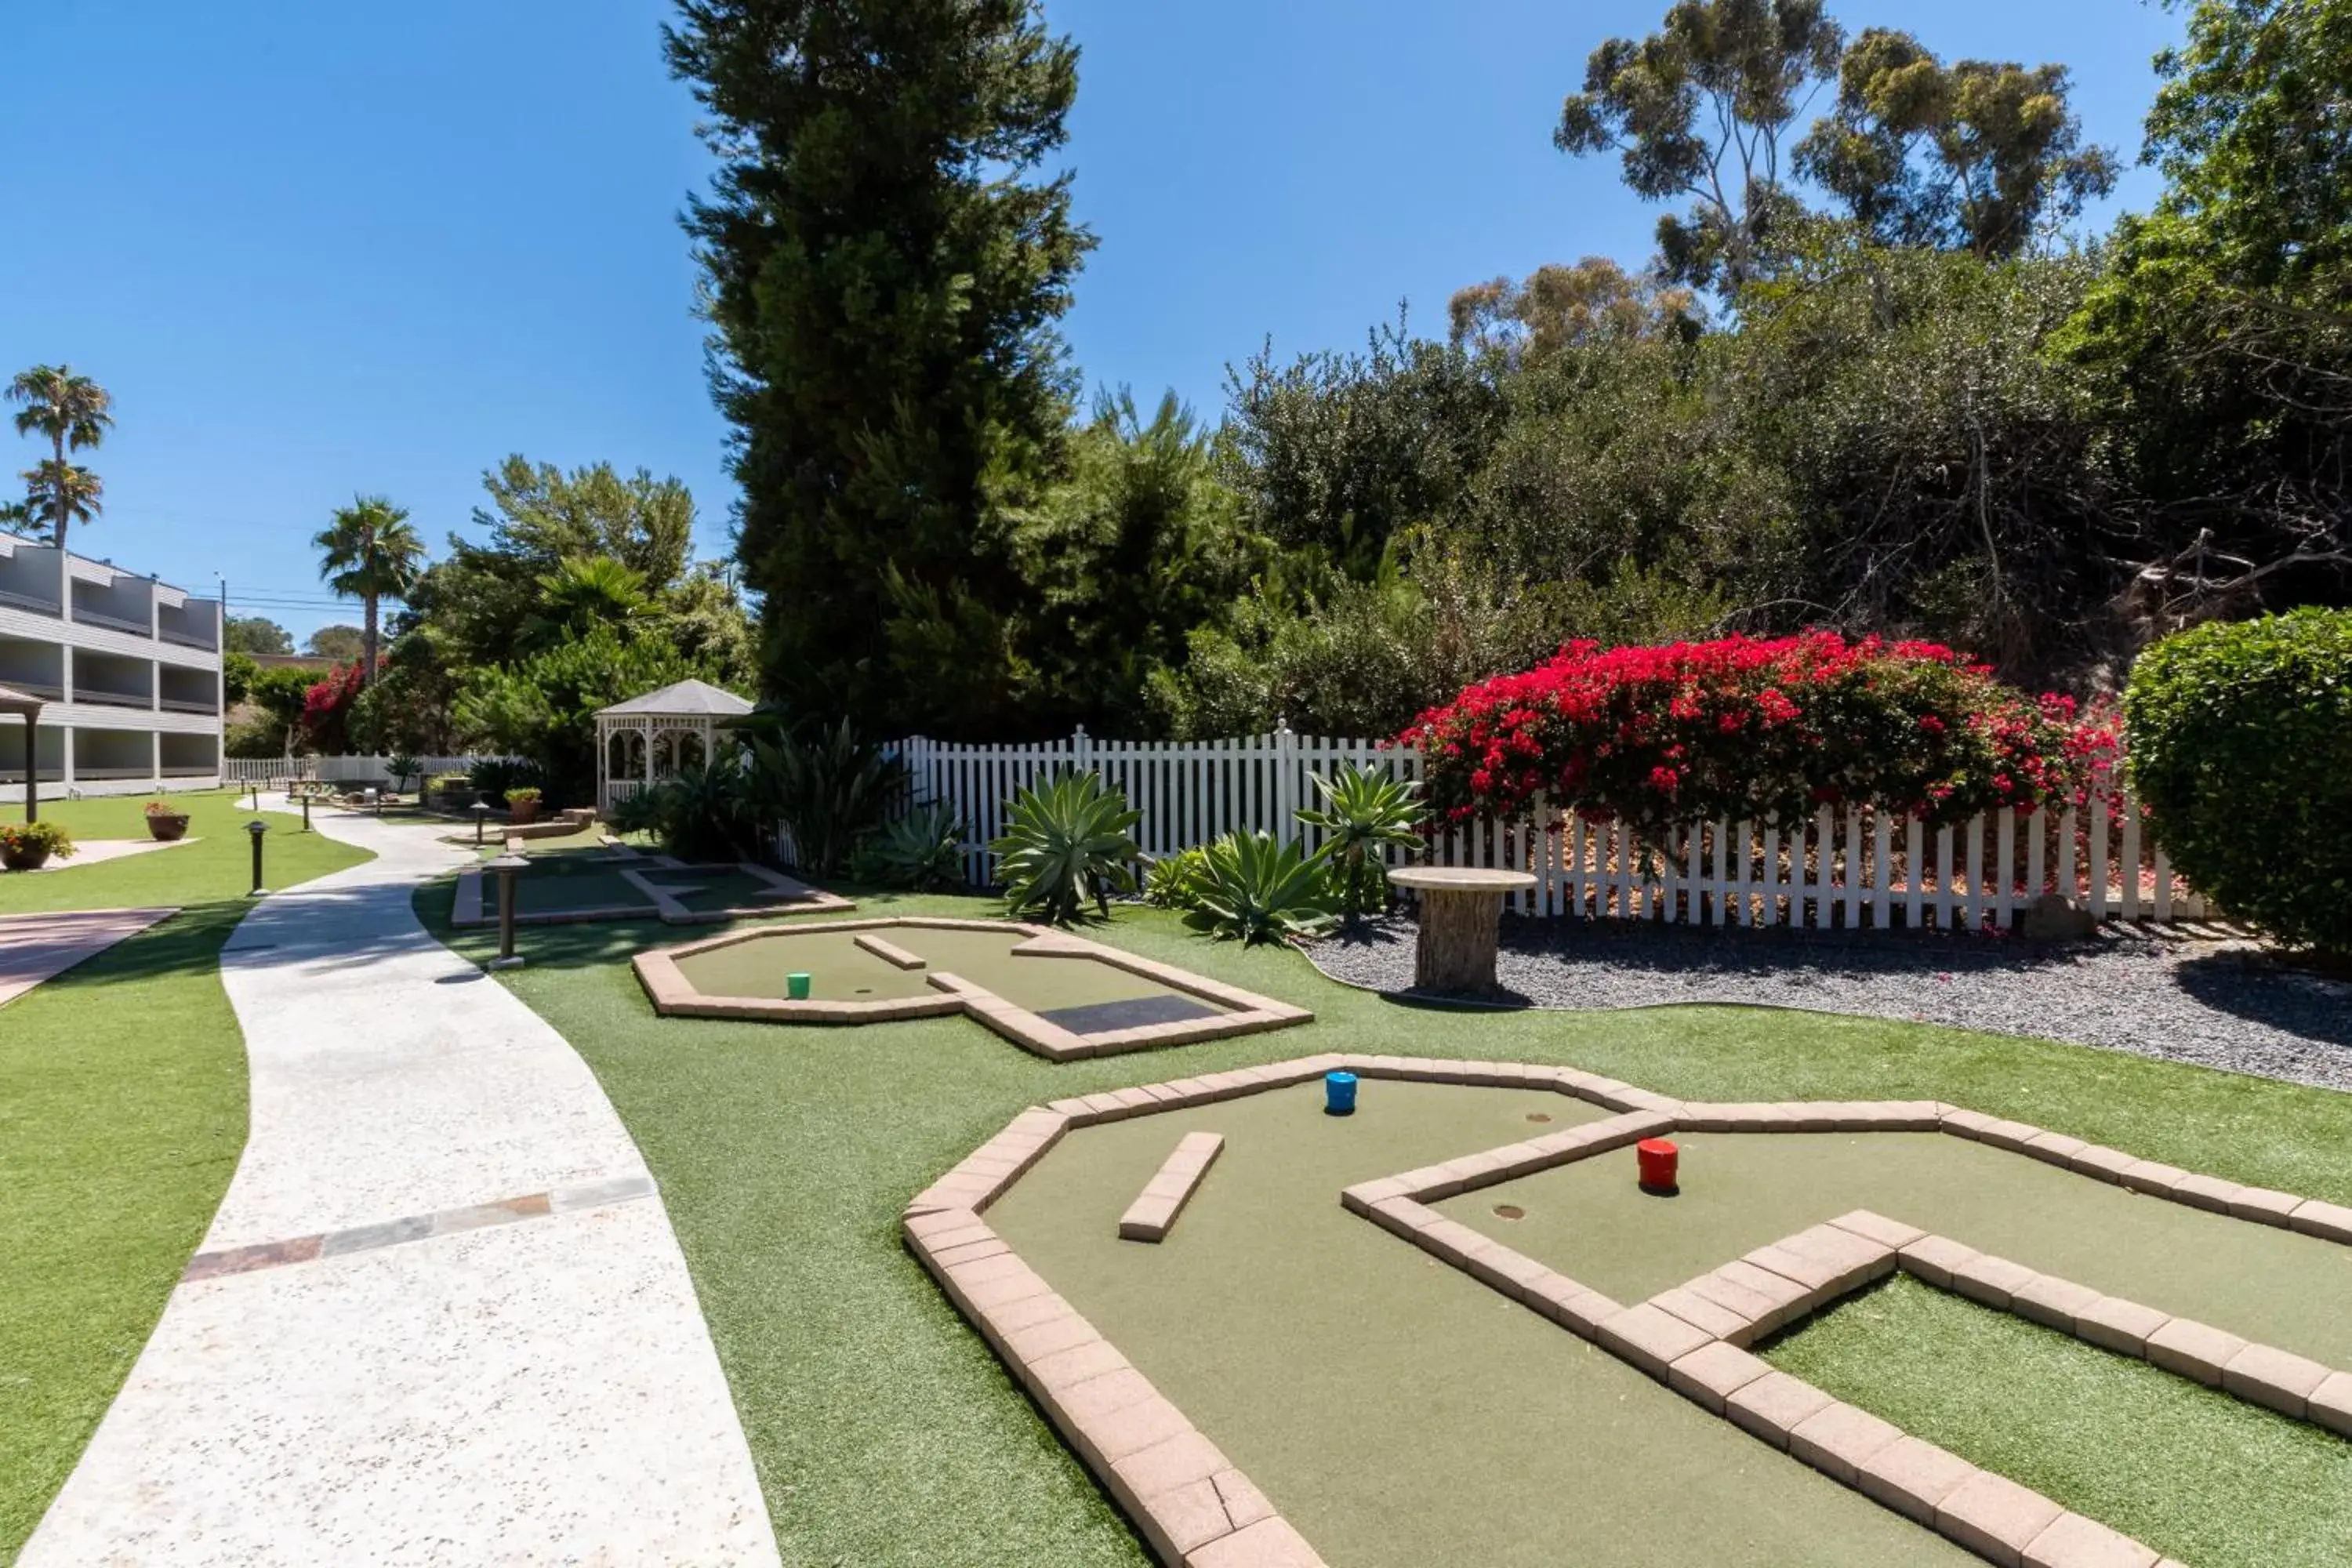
<point>40,607</point>
<point>186,639</point>
<point>41,688</point>
<point>83,771</point>
<point>188,705</point>
<point>112,623</point>
<point>95,697</point>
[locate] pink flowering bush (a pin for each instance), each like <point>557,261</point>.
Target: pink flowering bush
<point>1757,730</point>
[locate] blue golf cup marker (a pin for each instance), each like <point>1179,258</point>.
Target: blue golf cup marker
<point>1338,1094</point>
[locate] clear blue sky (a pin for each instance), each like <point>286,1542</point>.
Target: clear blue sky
<point>316,249</point>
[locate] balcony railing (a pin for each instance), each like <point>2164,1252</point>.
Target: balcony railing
<point>16,775</point>
<point>191,704</point>
<point>84,771</point>
<point>185,640</point>
<point>30,602</point>
<point>96,618</point>
<point>190,770</point>
<point>97,697</point>
<point>34,687</point>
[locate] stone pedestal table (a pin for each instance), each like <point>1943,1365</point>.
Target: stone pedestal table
<point>1461,921</point>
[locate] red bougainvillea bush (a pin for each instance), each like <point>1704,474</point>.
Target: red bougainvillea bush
<point>1752,730</point>
<point>327,711</point>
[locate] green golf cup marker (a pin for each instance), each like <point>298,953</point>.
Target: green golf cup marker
<point>797,986</point>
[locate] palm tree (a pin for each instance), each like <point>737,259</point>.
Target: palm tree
<point>62,493</point>
<point>73,412</point>
<point>582,594</point>
<point>370,553</point>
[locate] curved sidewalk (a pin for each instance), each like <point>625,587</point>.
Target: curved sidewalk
<point>441,1316</point>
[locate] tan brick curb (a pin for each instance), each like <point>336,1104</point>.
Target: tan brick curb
<point>1154,1211</point>
<point>674,995</point>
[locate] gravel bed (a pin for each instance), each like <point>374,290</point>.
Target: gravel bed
<point>2216,1004</point>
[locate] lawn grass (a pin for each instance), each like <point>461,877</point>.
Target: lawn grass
<point>123,1112</point>
<point>884,1431</point>
<point>2193,1473</point>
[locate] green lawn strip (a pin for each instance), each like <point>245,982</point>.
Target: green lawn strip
<point>123,1112</point>
<point>2193,1473</point>
<point>885,1433</point>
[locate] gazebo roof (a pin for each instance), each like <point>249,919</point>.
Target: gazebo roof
<point>25,705</point>
<point>687,700</point>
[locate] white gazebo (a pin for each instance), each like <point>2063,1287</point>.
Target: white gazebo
<point>651,737</point>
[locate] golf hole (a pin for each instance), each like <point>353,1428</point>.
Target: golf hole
<point>1509,1211</point>
<point>1539,1116</point>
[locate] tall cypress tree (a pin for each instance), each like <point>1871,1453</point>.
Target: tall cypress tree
<point>886,265</point>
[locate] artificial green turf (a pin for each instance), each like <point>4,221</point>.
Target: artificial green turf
<point>883,1430</point>
<point>2190,1472</point>
<point>839,969</point>
<point>1742,1191</point>
<point>123,1112</point>
<point>1401,1414</point>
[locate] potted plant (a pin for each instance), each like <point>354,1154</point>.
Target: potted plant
<point>164,823</point>
<point>523,805</point>
<point>27,845</point>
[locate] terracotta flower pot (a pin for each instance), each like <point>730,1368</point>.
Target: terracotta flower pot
<point>168,828</point>
<point>519,812</point>
<point>27,857</point>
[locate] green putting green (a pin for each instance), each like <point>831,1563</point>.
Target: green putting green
<point>1741,1191</point>
<point>709,892</point>
<point>560,886</point>
<point>1396,1411</point>
<point>841,971</point>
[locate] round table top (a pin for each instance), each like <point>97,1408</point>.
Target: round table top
<point>1461,879</point>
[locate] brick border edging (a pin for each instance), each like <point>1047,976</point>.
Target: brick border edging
<point>673,995</point>
<point>1006,1300</point>
<point>1153,1212</point>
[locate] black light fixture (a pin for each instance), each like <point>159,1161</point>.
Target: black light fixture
<point>257,828</point>
<point>482,815</point>
<point>505,866</point>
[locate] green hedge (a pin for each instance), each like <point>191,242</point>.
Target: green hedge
<point>2239,737</point>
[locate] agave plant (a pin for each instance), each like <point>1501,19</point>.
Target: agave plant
<point>921,851</point>
<point>1174,880</point>
<point>1067,842</point>
<point>1363,811</point>
<point>1252,890</point>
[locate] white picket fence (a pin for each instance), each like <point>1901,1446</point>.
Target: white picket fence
<point>358,770</point>
<point>1853,869</point>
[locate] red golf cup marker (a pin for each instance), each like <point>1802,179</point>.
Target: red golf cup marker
<point>1659,1158</point>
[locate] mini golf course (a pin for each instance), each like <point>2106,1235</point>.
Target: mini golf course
<point>1403,1336</point>
<point>1059,995</point>
<point>570,884</point>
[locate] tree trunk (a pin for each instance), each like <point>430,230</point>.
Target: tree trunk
<point>57,494</point>
<point>1458,935</point>
<point>367,646</point>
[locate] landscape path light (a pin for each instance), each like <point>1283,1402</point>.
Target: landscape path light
<point>482,815</point>
<point>505,866</point>
<point>257,828</point>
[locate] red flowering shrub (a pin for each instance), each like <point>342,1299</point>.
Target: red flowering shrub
<point>327,711</point>
<point>1744,729</point>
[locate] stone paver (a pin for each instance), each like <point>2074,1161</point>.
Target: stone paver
<point>35,947</point>
<point>529,1381</point>
<point>1164,1198</point>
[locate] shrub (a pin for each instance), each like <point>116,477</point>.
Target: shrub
<point>921,851</point>
<point>701,813</point>
<point>1363,810</point>
<point>1253,890</point>
<point>494,776</point>
<point>2241,748</point>
<point>523,795</point>
<point>831,791</point>
<point>1766,731</point>
<point>1174,882</point>
<point>1066,842</point>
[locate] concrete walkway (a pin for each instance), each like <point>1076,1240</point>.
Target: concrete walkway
<point>440,1318</point>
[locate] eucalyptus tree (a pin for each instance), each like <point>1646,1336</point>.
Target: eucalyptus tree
<point>369,552</point>
<point>72,411</point>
